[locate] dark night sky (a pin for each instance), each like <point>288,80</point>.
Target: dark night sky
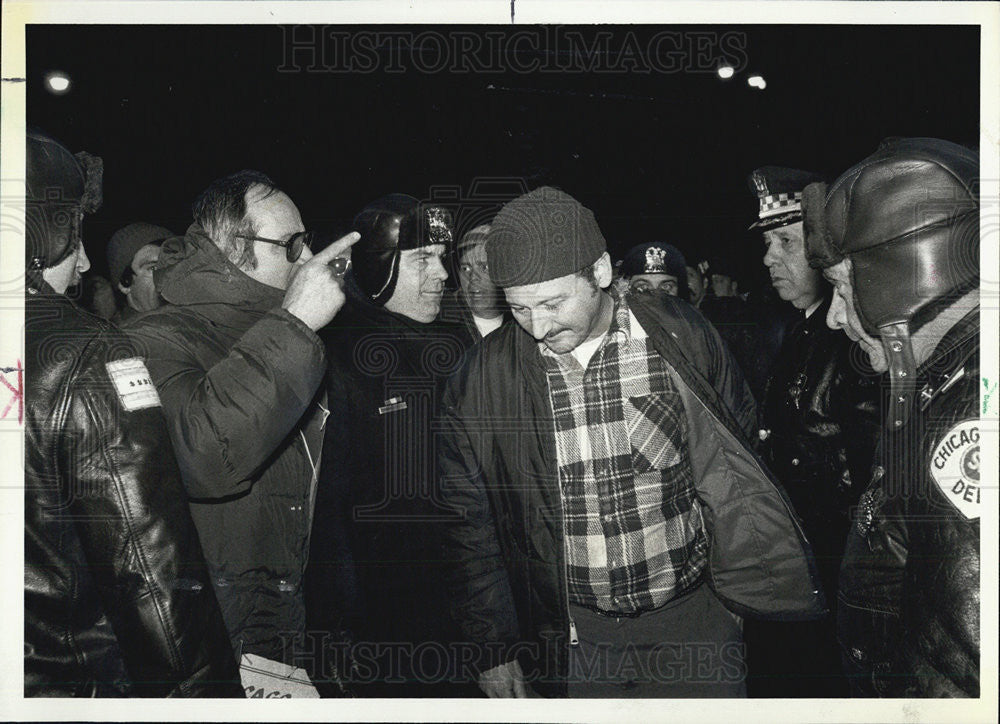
<point>657,155</point>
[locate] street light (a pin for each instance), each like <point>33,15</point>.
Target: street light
<point>57,82</point>
<point>756,81</point>
<point>726,71</point>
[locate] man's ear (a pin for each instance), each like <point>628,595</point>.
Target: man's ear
<point>123,289</point>
<point>603,271</point>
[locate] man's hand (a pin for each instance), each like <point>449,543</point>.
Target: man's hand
<point>316,294</point>
<point>505,681</point>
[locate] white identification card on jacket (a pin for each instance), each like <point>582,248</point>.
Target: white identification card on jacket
<point>133,383</point>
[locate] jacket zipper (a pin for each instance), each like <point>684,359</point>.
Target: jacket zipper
<point>574,639</point>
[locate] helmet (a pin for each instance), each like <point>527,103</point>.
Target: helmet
<point>389,225</point>
<point>908,219</point>
<point>59,188</point>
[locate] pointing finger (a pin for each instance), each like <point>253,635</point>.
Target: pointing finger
<point>336,248</point>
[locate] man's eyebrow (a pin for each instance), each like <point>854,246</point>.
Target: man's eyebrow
<point>545,300</point>
<point>430,251</point>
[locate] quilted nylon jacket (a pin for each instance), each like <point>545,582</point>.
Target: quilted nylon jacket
<point>498,466</point>
<point>240,382</point>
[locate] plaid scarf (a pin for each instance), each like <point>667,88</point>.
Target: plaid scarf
<point>633,528</point>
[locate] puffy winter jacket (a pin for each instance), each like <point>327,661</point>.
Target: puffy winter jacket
<point>117,599</point>
<point>498,465</point>
<point>240,382</point>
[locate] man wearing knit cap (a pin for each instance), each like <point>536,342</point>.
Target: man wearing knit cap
<point>133,252</point>
<point>820,423</point>
<point>375,559</point>
<point>656,267</point>
<point>898,236</point>
<point>588,453</point>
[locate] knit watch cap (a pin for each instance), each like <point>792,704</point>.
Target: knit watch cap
<point>542,235</point>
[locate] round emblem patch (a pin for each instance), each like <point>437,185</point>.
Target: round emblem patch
<point>954,466</point>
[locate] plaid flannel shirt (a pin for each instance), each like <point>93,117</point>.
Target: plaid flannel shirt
<point>633,527</point>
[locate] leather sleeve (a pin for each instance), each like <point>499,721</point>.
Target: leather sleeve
<point>226,421</point>
<point>871,583</point>
<point>480,595</point>
<point>140,544</point>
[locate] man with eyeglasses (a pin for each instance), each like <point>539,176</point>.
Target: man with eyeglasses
<point>237,363</point>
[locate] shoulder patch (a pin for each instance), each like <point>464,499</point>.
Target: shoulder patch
<point>133,383</point>
<point>954,466</point>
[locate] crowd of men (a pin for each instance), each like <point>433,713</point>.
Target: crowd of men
<point>565,477</point>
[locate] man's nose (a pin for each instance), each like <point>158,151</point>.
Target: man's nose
<point>836,317</point>
<point>541,323</point>
<point>82,261</point>
<point>770,256</point>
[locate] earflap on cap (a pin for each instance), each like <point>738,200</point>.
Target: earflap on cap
<point>820,251</point>
<point>54,187</point>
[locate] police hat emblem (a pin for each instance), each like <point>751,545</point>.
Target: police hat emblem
<point>655,261</point>
<point>438,225</point>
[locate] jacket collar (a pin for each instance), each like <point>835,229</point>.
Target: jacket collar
<point>951,358</point>
<point>193,272</point>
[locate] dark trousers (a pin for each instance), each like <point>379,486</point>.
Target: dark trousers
<point>690,648</point>
<point>793,660</point>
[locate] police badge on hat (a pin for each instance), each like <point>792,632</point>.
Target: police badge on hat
<point>655,261</point>
<point>779,193</point>
<point>954,466</point>
<point>439,226</point>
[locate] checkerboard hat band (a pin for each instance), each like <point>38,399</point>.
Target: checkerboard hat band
<point>776,204</point>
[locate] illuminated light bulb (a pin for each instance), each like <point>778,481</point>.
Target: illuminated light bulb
<point>57,82</point>
<point>726,72</point>
<point>755,81</point>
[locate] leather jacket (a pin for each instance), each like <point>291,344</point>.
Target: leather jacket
<point>820,428</point>
<point>908,611</point>
<point>117,599</point>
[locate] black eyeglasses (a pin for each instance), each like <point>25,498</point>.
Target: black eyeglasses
<point>293,247</point>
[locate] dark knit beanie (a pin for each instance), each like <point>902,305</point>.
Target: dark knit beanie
<point>125,243</point>
<point>543,235</point>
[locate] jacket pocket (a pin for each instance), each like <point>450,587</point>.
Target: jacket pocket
<point>655,432</point>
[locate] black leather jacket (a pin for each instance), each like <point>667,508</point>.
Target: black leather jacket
<point>117,601</point>
<point>908,613</point>
<point>820,429</point>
